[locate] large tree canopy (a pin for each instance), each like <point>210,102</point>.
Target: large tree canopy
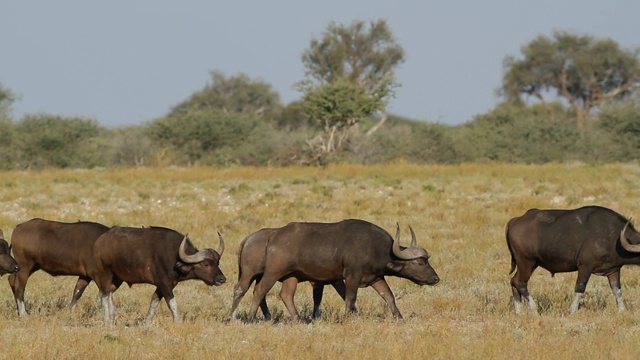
<point>365,56</point>
<point>350,74</point>
<point>234,94</point>
<point>586,71</point>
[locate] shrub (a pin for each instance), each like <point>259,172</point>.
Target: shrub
<point>47,140</point>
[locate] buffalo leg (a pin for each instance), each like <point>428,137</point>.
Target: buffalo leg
<point>351,284</point>
<point>18,282</point>
<point>107,285</point>
<point>318,289</point>
<point>519,284</point>
<point>259,292</point>
<point>581,285</point>
<point>81,285</point>
<point>287,293</point>
<point>238,292</point>
<point>167,293</point>
<point>385,292</point>
<point>106,300</point>
<point>263,303</point>
<point>115,284</point>
<point>614,283</point>
<point>339,286</point>
<point>173,306</point>
<point>155,300</point>
<point>265,309</point>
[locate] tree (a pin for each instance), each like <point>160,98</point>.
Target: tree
<point>235,94</point>
<point>338,106</point>
<point>7,130</point>
<point>6,99</point>
<point>586,71</point>
<point>350,74</point>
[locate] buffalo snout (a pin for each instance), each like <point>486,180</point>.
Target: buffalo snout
<point>435,280</point>
<point>420,272</point>
<point>220,279</point>
<point>431,279</point>
<point>9,268</point>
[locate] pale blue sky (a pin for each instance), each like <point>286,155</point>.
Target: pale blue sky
<point>126,62</point>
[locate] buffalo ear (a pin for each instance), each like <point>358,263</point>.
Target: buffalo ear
<point>394,266</point>
<point>183,268</point>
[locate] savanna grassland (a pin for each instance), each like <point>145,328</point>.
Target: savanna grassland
<point>458,213</point>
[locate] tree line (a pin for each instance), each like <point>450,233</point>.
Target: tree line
<point>585,108</point>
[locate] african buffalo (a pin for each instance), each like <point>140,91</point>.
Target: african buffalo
<point>8,264</point>
<point>356,251</point>
<point>589,240</point>
<point>251,267</point>
<point>157,256</point>
<point>57,248</point>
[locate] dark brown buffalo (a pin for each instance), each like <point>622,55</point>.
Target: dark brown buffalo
<point>57,248</point>
<point>589,240</point>
<point>356,251</point>
<point>8,264</point>
<point>251,262</point>
<point>157,256</point>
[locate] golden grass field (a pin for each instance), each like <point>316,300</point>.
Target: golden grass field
<point>458,213</point>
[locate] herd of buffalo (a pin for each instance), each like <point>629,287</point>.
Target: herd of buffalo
<point>347,255</point>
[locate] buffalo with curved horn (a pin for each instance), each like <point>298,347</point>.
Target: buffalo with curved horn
<point>356,251</point>
<point>157,256</point>
<point>590,240</point>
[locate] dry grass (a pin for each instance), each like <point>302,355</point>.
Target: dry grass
<point>458,212</point>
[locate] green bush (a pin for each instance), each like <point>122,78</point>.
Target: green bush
<point>417,142</point>
<point>213,137</point>
<point>8,144</point>
<point>513,132</point>
<point>45,140</point>
<point>127,146</point>
<point>622,123</point>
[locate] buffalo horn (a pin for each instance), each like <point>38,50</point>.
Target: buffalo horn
<point>625,242</point>
<point>414,242</point>
<point>190,259</point>
<point>396,243</point>
<point>412,252</point>
<point>220,248</point>
<point>1,234</point>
